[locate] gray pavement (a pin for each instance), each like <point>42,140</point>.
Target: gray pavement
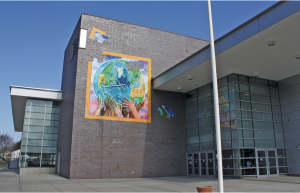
<point>10,181</point>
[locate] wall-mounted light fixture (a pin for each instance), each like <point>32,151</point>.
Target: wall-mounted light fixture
<point>190,77</point>
<point>179,88</point>
<point>297,56</point>
<point>298,147</point>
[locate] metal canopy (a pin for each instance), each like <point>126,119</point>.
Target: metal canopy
<point>19,97</point>
<point>244,51</point>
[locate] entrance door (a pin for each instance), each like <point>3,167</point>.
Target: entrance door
<point>193,164</point>
<point>266,160</point>
<point>207,164</point>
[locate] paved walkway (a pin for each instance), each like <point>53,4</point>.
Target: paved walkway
<point>10,181</point>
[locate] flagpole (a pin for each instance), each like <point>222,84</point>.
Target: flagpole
<point>216,99</point>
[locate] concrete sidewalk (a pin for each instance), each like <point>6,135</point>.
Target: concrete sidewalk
<point>10,181</point>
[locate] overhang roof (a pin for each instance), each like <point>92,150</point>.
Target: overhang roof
<point>244,51</point>
<point>19,97</point>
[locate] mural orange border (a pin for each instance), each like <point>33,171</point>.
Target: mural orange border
<point>94,30</point>
<point>88,85</point>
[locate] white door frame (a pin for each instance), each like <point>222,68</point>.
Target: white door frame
<point>206,165</point>
<point>267,162</point>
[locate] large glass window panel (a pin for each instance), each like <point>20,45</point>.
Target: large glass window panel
<point>274,92</point>
<point>206,129</point>
<point>247,124</point>
<point>259,82</point>
<point>283,170</point>
<point>278,135</point>
<point>49,149</point>
<point>233,87</point>
<point>249,153</point>
<point>246,115</point>
<point>260,98</point>
<point>276,109</point>
<point>226,135</point>
<point>245,96</point>
<point>223,99</point>
<point>234,133</point>
<point>50,136</point>
<point>33,149</point>
<point>262,125</point>
<point>38,129</point>
<point>244,87</point>
<point>52,116</point>
<point>194,139</point>
<point>189,101</point>
<point>281,152</point>
<point>206,138</point>
<point>204,96</point>
<point>260,90</point>
<point>265,143</point>
<point>277,117</point>
<point>282,161</point>
<point>48,159</point>
<point>35,135</point>
<point>38,103</point>
<point>206,112</point>
<point>246,106</point>
<point>224,107</point>
<point>264,134</point>
<point>243,79</point>
<point>279,143</point>
<point>234,105</point>
<point>223,89</point>
<point>278,126</point>
<point>248,163</point>
<point>233,96</point>
<point>233,78</point>
<point>52,110</point>
<point>37,109</point>
<point>204,89</point>
<point>49,143</point>
<point>275,101</point>
<point>51,123</point>
<point>205,121</point>
<point>205,104</point>
<point>191,94</point>
<point>206,146</point>
<point>37,115</point>
<point>262,116</point>
<point>191,109</point>
<point>193,147</point>
<point>226,144</point>
<point>192,132</point>
<point>235,115</point>
<point>192,124</point>
<point>261,107</point>
<point>36,122</point>
<point>247,133</point>
<point>191,117</point>
<point>34,142</point>
<point>273,84</point>
<point>222,82</point>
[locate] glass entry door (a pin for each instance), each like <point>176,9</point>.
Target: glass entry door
<point>207,164</point>
<point>193,164</point>
<point>266,160</point>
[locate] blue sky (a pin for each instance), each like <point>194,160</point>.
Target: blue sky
<point>34,35</point>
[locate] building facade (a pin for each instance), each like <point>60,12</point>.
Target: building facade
<point>138,102</point>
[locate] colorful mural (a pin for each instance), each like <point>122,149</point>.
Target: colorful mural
<point>163,111</point>
<point>119,88</point>
<point>99,35</point>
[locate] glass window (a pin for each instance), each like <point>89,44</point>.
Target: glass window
<point>246,106</point>
<point>232,78</point>
<point>228,153</point>
<point>205,104</point>
<point>50,136</point>
<point>276,109</point>
<point>34,142</point>
<point>192,124</point>
<point>50,130</point>
<point>226,135</point>
<point>193,147</point>
<point>260,98</point>
<point>194,139</point>
<point>245,96</point>
<point>275,101</point>
<point>192,132</point>
<point>261,107</point>
<point>234,115</point>
<point>262,125</point>
<point>276,117</point>
<point>246,115</point>
<point>205,113</point>
<point>278,135</point>
<point>243,79</point>
<point>279,144</point>
<point>204,89</point>
<point>274,92</point>
<point>52,116</point>
<point>191,94</point>
<point>244,87</point>
<point>205,121</point>
<point>259,82</point>
<point>273,84</point>
<point>223,99</point>
<point>223,90</point>
<point>234,105</point>
<point>206,129</point>
<point>247,124</point>
<point>264,134</point>
<point>34,122</point>
<point>49,143</point>
<point>233,87</point>
<point>226,144</point>
<point>38,103</point>
<point>234,96</point>
<point>260,90</point>
<point>52,110</point>
<point>247,133</point>
<point>191,109</point>
<point>191,101</point>
<point>283,170</point>
<point>247,153</point>
<point>262,116</point>
<point>204,96</point>
<point>206,146</point>
<point>264,143</point>
<point>248,163</point>
<point>222,82</point>
<point>38,129</point>
<point>51,123</point>
<point>206,138</point>
<point>282,161</point>
<point>278,126</point>
<point>281,153</point>
<point>49,149</point>
<point>192,117</point>
<point>37,109</point>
